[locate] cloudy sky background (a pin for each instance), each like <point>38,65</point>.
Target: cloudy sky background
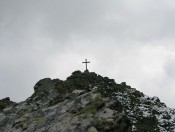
<point>129,40</point>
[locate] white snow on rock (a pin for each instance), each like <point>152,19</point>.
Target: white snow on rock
<point>146,106</point>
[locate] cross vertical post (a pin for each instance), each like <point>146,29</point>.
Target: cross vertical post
<point>86,63</point>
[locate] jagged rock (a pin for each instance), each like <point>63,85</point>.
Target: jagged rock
<point>45,94</point>
<point>86,102</point>
<point>5,103</point>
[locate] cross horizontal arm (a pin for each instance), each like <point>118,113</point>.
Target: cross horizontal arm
<point>86,62</point>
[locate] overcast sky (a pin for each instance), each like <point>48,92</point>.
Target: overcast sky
<point>131,41</point>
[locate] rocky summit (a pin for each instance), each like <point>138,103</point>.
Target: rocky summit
<point>86,102</point>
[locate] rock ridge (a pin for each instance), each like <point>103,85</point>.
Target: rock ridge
<point>86,102</point>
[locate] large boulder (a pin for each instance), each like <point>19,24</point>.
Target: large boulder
<point>45,84</point>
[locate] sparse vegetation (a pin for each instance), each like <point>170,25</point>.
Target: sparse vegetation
<point>93,107</point>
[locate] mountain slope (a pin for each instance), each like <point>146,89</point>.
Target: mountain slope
<point>86,102</point>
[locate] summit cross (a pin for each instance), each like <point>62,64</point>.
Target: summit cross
<point>86,63</point>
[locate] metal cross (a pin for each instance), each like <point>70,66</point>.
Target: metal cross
<point>86,63</point>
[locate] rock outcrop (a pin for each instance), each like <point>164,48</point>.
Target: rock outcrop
<point>86,102</point>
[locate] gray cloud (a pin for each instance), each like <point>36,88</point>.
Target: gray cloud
<point>130,41</point>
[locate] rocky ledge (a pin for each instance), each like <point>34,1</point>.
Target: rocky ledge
<point>86,102</point>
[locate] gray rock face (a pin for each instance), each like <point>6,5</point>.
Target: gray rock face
<point>86,102</point>
<point>70,115</point>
